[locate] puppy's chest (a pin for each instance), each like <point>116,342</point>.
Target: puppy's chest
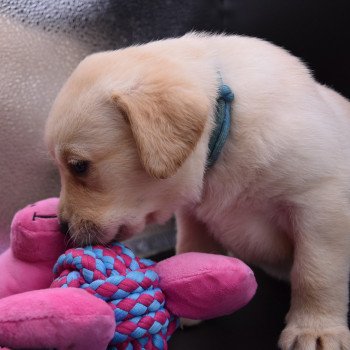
<point>249,226</point>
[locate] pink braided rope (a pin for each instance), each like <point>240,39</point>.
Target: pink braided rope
<point>129,285</point>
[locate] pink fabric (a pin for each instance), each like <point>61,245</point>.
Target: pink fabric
<point>56,318</point>
<point>196,285</point>
<point>48,318</point>
<point>19,276</point>
<point>36,243</point>
<point>35,234</point>
<point>203,286</point>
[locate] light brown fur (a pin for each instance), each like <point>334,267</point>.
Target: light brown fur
<point>278,196</point>
<point>151,106</point>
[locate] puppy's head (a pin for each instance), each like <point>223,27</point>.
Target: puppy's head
<point>122,132</point>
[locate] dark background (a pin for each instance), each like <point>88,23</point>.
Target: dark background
<point>317,31</point>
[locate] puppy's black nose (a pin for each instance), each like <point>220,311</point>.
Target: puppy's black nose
<point>64,227</point>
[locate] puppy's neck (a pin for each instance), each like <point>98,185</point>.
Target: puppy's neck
<point>215,135</point>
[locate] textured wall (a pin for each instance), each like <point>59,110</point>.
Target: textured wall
<point>33,66</point>
<point>40,44</point>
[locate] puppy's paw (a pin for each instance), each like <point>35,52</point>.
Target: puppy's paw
<point>332,338</point>
<point>187,322</point>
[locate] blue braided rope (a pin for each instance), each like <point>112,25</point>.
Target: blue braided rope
<point>222,124</point>
<point>129,285</point>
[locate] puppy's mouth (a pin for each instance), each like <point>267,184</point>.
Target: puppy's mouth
<point>127,230</point>
<point>124,232</point>
<point>88,233</point>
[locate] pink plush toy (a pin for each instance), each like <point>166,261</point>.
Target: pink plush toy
<point>137,300</point>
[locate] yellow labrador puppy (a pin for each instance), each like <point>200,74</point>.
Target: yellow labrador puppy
<point>131,132</point>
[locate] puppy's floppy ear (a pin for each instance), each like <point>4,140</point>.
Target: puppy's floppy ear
<point>166,121</point>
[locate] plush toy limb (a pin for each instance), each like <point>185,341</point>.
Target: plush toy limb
<point>36,243</point>
<point>59,318</point>
<point>19,276</point>
<point>35,233</point>
<point>193,236</point>
<point>204,286</point>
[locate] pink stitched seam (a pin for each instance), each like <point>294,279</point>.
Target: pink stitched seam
<point>47,317</point>
<point>200,272</point>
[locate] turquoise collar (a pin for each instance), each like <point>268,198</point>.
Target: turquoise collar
<point>221,130</point>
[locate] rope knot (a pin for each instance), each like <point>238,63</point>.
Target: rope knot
<point>226,93</point>
<point>129,285</point>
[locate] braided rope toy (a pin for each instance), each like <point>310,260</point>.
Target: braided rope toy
<point>129,285</point>
<point>109,297</point>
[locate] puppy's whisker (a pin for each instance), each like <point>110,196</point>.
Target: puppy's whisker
<point>68,242</point>
<point>70,234</point>
<point>89,240</point>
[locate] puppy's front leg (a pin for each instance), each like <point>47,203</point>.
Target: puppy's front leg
<point>193,235</point>
<point>319,279</point>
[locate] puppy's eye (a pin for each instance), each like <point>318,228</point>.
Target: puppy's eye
<point>79,167</point>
